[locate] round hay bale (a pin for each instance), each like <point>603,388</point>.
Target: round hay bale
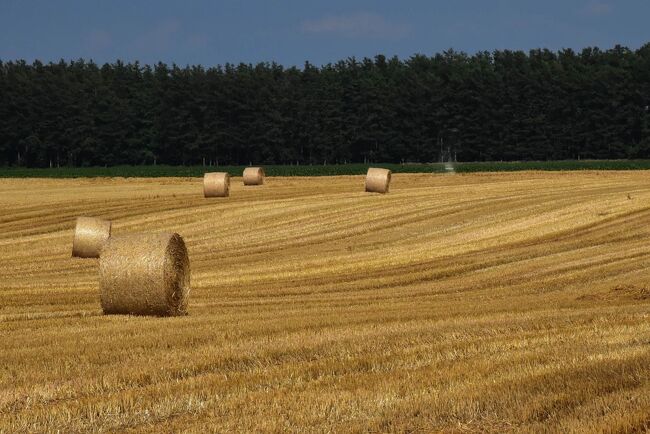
<point>378,180</point>
<point>145,274</point>
<point>253,176</point>
<point>90,235</point>
<point>216,184</point>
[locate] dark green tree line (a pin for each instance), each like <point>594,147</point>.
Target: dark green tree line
<point>505,105</point>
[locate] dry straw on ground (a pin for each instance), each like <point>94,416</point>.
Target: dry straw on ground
<point>216,184</point>
<point>378,180</point>
<point>253,176</point>
<point>513,302</point>
<point>90,235</point>
<point>145,274</point>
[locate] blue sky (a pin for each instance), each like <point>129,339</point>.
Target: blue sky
<point>292,31</point>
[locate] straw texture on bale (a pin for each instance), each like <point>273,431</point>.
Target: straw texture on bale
<point>216,184</point>
<point>145,274</point>
<point>378,180</point>
<point>90,235</point>
<point>253,176</point>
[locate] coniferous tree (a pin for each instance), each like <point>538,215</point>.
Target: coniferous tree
<point>504,105</point>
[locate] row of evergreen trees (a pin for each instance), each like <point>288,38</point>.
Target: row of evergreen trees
<point>505,105</point>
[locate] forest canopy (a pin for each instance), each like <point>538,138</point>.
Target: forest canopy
<point>501,105</point>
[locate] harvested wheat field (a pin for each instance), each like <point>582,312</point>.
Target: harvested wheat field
<point>455,303</point>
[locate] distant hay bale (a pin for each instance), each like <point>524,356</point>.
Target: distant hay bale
<point>145,274</point>
<point>90,235</point>
<point>378,180</point>
<point>216,184</point>
<point>253,176</point>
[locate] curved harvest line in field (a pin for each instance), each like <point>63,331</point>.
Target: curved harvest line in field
<point>492,302</point>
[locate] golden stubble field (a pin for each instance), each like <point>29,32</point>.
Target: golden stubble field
<point>456,303</point>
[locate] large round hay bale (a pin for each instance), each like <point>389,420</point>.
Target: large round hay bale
<point>253,176</point>
<point>90,235</point>
<point>216,184</point>
<point>378,180</point>
<point>145,274</point>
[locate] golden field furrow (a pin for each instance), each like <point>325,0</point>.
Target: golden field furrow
<point>455,303</point>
